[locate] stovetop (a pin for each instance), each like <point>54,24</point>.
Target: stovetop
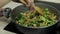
<point>11,26</point>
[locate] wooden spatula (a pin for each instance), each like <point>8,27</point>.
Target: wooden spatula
<point>39,10</point>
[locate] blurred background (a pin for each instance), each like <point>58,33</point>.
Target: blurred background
<point>4,2</point>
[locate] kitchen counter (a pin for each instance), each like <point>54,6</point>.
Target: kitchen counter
<point>4,22</point>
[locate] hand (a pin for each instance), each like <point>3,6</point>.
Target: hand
<point>27,2</point>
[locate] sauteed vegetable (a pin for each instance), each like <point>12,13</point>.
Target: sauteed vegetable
<point>35,19</point>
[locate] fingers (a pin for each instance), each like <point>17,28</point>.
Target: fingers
<point>30,2</point>
<point>27,2</point>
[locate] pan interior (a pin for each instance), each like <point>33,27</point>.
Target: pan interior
<point>23,9</point>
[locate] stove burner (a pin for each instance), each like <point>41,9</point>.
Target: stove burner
<point>11,27</point>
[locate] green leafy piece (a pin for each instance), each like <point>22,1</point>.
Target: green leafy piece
<point>42,18</point>
<point>49,21</point>
<point>19,16</point>
<point>33,21</point>
<point>21,21</point>
<point>46,12</point>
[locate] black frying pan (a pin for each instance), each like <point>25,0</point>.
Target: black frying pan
<point>40,30</point>
<point>43,30</point>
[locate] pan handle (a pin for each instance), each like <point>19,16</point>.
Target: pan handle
<point>5,12</point>
<point>1,12</point>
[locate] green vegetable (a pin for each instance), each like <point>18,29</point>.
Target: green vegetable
<point>47,12</point>
<point>34,19</point>
<point>42,18</point>
<point>19,16</point>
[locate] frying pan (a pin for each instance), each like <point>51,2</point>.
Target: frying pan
<point>40,30</point>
